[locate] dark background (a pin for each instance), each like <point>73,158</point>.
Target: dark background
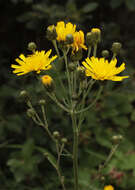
<point>21,165</point>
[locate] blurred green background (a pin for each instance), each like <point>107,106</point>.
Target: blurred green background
<point>22,165</point>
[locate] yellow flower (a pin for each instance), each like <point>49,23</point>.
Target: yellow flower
<point>63,30</point>
<point>101,69</point>
<point>78,41</point>
<point>36,62</point>
<point>46,80</point>
<point>108,187</point>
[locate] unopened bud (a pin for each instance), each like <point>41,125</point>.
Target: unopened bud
<point>24,95</point>
<point>76,56</point>
<point>105,53</point>
<point>89,39</point>
<point>42,102</point>
<point>32,46</point>
<point>69,39</point>
<point>56,134</point>
<point>48,83</point>
<point>72,66</point>
<point>64,140</point>
<point>75,97</point>
<point>81,73</point>
<point>51,32</point>
<point>102,178</point>
<point>116,47</point>
<point>30,112</point>
<point>96,35</point>
<point>117,139</point>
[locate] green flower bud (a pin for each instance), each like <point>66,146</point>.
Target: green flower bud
<point>42,102</point>
<point>96,35</point>
<point>51,33</point>
<point>56,134</point>
<point>72,66</point>
<point>105,53</point>
<point>69,39</point>
<point>76,56</point>
<point>32,46</point>
<point>24,95</point>
<point>30,112</point>
<point>64,140</point>
<point>81,73</point>
<point>117,139</point>
<point>116,47</point>
<point>89,39</point>
<point>75,97</point>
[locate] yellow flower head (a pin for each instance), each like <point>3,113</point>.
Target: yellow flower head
<point>36,62</point>
<point>78,41</point>
<point>46,80</point>
<point>108,187</point>
<point>63,30</point>
<point>101,69</point>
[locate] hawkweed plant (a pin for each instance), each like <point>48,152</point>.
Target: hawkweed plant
<point>81,75</point>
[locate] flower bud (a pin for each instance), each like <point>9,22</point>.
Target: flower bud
<point>81,73</point>
<point>76,56</point>
<point>72,66</point>
<point>69,39</point>
<point>64,140</point>
<point>89,39</point>
<point>96,35</point>
<point>24,95</point>
<point>30,112</point>
<point>75,97</point>
<point>32,46</point>
<point>117,139</point>
<point>56,134</point>
<point>42,102</point>
<point>51,33</point>
<point>116,47</point>
<point>105,53</point>
<point>48,83</point>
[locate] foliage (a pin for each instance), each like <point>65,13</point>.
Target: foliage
<point>24,164</point>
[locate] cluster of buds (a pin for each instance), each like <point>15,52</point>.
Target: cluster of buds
<point>93,37</point>
<point>57,136</point>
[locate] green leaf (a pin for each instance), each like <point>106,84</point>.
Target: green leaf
<point>121,121</point>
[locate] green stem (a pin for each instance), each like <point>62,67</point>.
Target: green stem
<point>68,75</point>
<point>75,150</point>
<point>89,51</point>
<point>97,97</point>
<point>56,48</point>
<point>53,97</point>
<point>95,50</point>
<point>46,123</point>
<point>83,102</point>
<point>114,56</point>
